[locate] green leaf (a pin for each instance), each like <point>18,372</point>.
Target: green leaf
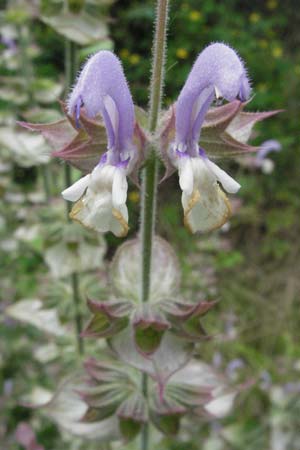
<point>83,29</point>
<point>168,424</point>
<point>67,409</point>
<point>129,428</point>
<point>31,311</point>
<point>132,415</point>
<point>148,339</point>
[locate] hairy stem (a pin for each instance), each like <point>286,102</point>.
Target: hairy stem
<point>159,50</point>
<point>149,185</point>
<point>77,313</point>
<point>70,74</point>
<point>46,181</point>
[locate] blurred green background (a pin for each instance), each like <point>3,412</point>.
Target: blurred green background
<point>252,267</point>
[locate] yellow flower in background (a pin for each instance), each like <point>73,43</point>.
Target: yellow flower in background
<point>272,4</point>
<point>263,43</point>
<point>262,87</point>
<point>277,52</point>
<point>297,69</point>
<point>254,17</point>
<point>195,16</point>
<point>124,53</point>
<point>134,58</point>
<point>182,53</point>
<point>134,196</point>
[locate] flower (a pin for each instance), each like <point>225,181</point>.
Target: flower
<point>261,160</point>
<point>182,53</point>
<point>101,195</point>
<point>217,72</point>
<point>195,16</point>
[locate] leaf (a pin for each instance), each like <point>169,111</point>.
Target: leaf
<point>218,118</point>
<point>86,148</point>
<point>101,326</point>
<point>185,317</point>
<point>230,136</point>
<point>166,413</point>
<point>203,380</point>
<point>222,405</point>
<point>132,414</point>
<point>67,409</point>
<point>224,133</point>
<point>46,91</point>
<point>126,271</point>
<point>109,318</point>
<point>57,134</point>
<point>149,328</point>
<point>75,255</point>
<point>172,354</point>
<point>27,150</point>
<point>42,115</point>
<point>182,310</point>
<point>83,28</point>
<point>241,126</point>
<point>30,311</point>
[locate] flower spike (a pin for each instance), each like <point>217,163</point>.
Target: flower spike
<point>102,89</point>
<point>217,72</point>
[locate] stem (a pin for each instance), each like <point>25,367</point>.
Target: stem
<point>148,214</point>
<point>159,50</point>
<point>77,315</point>
<point>71,64</point>
<point>70,74</point>
<point>46,181</point>
<point>26,63</point>
<point>145,431</point>
<point>68,182</point>
<point>149,185</point>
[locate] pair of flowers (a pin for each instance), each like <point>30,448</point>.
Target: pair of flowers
<point>101,89</point>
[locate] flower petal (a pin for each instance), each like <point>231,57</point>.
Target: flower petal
<point>111,120</point>
<point>119,188</point>
<point>228,183</point>
<point>96,209</point>
<point>220,406</point>
<point>74,192</point>
<point>207,207</point>
<point>103,89</point>
<point>217,67</point>
<point>200,109</point>
<point>271,145</point>
<point>206,212</point>
<point>185,171</point>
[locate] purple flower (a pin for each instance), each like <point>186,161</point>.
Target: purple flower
<point>102,89</point>
<point>261,160</point>
<point>217,72</point>
<point>272,145</point>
